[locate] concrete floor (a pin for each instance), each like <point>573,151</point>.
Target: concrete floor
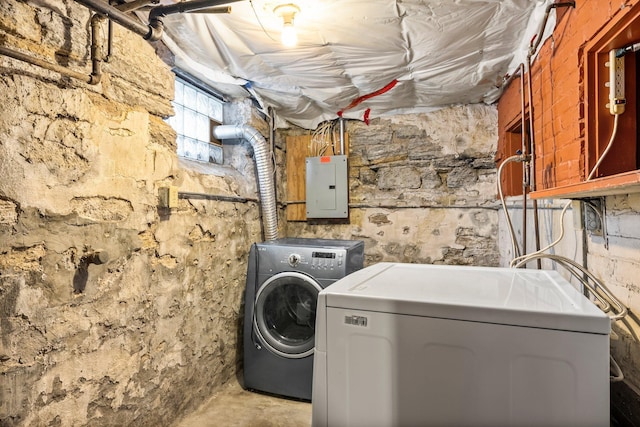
<point>235,407</point>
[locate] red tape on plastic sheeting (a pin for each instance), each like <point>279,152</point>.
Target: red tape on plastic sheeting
<point>366,116</point>
<point>358,100</point>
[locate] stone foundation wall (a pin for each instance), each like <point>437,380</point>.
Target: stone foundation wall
<point>152,332</point>
<point>422,188</point>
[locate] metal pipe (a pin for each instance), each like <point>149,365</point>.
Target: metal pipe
<point>525,166</point>
<point>44,64</point>
<point>538,37</point>
<point>96,59</point>
<point>104,10</point>
<point>96,49</point>
<point>272,128</point>
<point>272,147</point>
<point>217,197</point>
<point>536,229</point>
<point>186,6</point>
<point>115,14</point>
<point>535,42</point>
<point>342,143</point>
<point>157,14</point>
<point>264,171</point>
<point>135,5</point>
<point>533,46</point>
<point>109,42</point>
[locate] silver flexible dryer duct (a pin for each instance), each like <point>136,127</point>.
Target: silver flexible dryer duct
<point>262,157</point>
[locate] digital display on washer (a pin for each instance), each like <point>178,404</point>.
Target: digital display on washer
<point>323,255</point>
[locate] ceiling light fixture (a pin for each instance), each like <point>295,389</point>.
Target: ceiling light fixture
<point>287,12</point>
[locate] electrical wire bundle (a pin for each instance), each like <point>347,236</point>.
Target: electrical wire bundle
<point>324,140</point>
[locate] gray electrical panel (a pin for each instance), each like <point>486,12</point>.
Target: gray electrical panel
<point>327,188</point>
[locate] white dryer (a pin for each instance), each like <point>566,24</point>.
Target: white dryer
<point>425,345</point>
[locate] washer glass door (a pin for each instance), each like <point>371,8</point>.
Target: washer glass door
<point>285,314</point>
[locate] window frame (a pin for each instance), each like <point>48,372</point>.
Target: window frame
<point>203,109</point>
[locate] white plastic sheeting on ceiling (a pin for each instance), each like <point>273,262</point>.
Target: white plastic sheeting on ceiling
<point>378,57</point>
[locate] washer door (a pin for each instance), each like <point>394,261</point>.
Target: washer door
<point>285,314</point>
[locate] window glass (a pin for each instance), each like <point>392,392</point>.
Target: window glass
<point>196,113</point>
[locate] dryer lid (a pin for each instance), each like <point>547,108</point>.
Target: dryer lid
<point>518,297</point>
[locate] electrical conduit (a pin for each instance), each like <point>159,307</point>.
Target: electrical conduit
<point>262,158</point>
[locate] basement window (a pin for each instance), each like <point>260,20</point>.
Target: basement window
<point>622,36</point>
<point>512,175</point>
<point>197,111</point>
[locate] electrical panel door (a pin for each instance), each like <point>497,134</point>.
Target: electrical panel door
<point>327,188</point>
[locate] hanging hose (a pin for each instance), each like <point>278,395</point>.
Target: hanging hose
<point>609,145</point>
<point>617,372</point>
<point>264,168</point>
<point>526,258</point>
<point>514,243</point>
<point>600,292</point>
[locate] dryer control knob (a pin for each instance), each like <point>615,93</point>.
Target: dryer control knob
<point>294,259</point>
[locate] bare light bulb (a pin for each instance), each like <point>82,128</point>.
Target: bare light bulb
<point>289,36</point>
<point>287,12</point>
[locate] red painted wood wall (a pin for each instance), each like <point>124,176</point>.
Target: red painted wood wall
<point>558,96</point>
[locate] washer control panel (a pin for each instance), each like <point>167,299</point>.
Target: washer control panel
<point>316,259</point>
<point>294,259</point>
<point>326,259</point>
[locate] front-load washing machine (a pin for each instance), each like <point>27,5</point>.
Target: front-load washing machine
<point>284,278</point>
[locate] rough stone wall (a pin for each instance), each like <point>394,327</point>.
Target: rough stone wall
<point>422,188</point>
<point>151,333</point>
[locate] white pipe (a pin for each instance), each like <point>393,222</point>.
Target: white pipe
<point>264,171</point>
<point>609,145</point>
<point>514,243</point>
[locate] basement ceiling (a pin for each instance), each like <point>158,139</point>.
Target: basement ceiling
<point>358,58</point>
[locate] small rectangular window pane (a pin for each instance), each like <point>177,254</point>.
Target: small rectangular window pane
<point>190,148</point>
<point>179,88</point>
<point>202,103</point>
<point>215,153</point>
<point>178,119</point>
<point>180,143</point>
<point>202,128</point>
<point>190,123</point>
<point>203,151</point>
<point>190,97</point>
<point>215,110</point>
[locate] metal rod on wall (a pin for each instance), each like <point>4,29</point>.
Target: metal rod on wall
<point>342,143</point>
<point>115,14</point>
<point>44,64</point>
<point>221,198</point>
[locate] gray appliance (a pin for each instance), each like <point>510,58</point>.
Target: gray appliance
<point>284,278</point>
